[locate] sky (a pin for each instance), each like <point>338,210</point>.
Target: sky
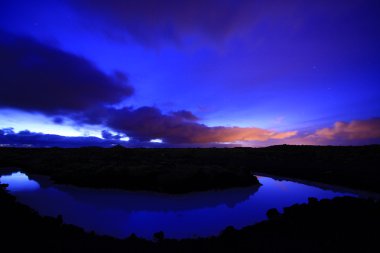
<point>189,73</point>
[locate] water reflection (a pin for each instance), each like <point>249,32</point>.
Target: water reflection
<point>120,213</point>
<point>150,201</point>
<point>19,182</point>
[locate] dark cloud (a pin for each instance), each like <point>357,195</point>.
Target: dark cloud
<point>26,138</point>
<point>6,131</point>
<point>185,115</point>
<point>37,77</point>
<point>58,120</point>
<point>109,136</point>
<point>150,21</point>
<point>8,138</point>
<point>147,123</point>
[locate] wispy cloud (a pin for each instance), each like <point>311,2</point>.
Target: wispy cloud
<point>155,21</point>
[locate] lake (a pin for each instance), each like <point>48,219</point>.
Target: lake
<point>119,213</point>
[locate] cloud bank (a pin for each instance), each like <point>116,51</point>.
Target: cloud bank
<point>146,123</point>
<point>38,78</point>
<point>357,132</point>
<point>8,138</point>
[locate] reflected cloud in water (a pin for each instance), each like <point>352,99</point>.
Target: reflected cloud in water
<point>19,182</point>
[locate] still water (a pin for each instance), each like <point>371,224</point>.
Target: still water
<point>119,213</point>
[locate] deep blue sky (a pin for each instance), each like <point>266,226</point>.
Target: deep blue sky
<point>210,72</point>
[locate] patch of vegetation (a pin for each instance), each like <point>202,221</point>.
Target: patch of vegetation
<point>162,170</point>
<point>192,169</point>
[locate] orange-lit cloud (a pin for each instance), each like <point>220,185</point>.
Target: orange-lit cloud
<point>284,135</point>
<point>354,130</point>
<point>146,123</point>
<point>233,134</point>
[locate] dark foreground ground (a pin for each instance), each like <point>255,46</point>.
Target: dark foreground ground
<point>340,225</point>
<point>185,170</point>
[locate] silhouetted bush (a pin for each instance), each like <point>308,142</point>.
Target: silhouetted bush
<point>159,236</point>
<point>273,213</point>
